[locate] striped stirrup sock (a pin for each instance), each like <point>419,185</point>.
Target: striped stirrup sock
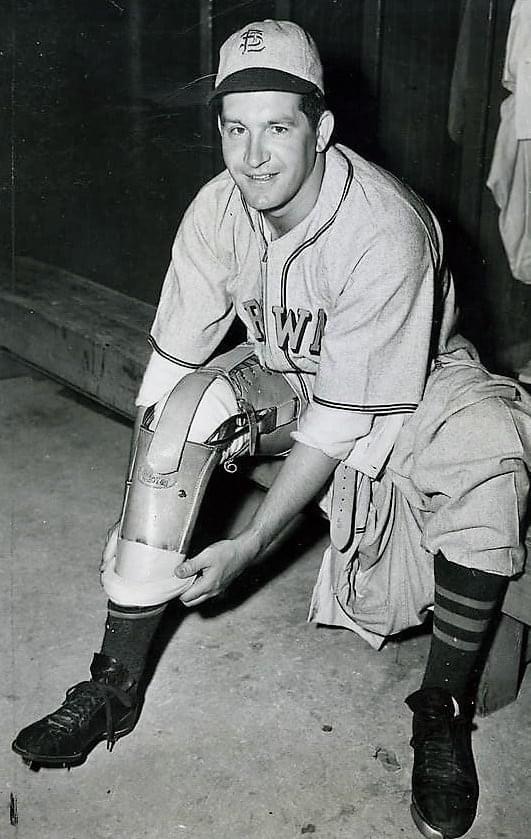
<point>466,601</point>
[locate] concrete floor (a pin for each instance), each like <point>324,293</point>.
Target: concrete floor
<point>256,724</point>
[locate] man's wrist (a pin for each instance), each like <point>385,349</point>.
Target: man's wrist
<point>249,545</point>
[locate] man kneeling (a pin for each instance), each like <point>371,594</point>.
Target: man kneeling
<point>354,367</point>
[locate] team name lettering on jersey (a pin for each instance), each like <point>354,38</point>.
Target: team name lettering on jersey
<point>256,316</point>
<point>315,346</point>
<point>291,328</point>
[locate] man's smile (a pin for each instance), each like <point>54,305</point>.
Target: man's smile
<point>262,177</point>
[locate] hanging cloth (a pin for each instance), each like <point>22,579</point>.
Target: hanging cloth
<point>510,175</point>
<point>459,88</point>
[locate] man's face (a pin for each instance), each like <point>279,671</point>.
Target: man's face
<point>270,150</point>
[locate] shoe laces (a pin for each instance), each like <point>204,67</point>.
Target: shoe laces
<point>438,745</point>
<point>84,699</point>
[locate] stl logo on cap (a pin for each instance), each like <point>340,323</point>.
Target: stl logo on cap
<point>252,40</point>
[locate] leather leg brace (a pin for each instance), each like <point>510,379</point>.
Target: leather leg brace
<point>169,477</point>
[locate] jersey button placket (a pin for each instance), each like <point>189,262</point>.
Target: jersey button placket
<point>264,270</point>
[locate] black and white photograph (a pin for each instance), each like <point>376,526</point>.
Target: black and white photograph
<point>265,364</point>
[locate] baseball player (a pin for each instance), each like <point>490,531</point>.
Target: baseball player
<point>353,375</point>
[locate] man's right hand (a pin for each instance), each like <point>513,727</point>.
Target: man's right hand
<point>109,549</point>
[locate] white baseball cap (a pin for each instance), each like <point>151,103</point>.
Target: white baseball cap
<point>269,55</point>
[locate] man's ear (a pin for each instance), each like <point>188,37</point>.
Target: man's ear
<point>324,130</point>
<point>219,124</point>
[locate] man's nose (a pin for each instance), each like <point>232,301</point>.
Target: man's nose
<point>257,152</point>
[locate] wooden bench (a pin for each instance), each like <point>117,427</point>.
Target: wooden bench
<point>93,339</point>
<point>511,647</point>
<point>89,337</point>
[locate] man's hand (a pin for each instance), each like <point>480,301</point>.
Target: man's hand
<point>218,566</point>
<point>303,474</point>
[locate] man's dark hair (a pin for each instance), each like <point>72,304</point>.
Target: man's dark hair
<point>312,105</point>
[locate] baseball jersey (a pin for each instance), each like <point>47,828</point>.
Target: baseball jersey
<point>351,304</point>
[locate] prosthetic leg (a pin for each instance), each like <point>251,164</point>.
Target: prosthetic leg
<point>166,485</point>
<point>169,474</point>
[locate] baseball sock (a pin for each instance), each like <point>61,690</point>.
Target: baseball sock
<point>466,600</point>
<point>129,631</point>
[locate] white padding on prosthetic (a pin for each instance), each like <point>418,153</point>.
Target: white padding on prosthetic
<point>143,575</point>
<point>218,404</point>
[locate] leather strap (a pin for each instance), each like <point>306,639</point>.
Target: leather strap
<point>166,449</point>
<point>343,506</point>
<point>165,452</point>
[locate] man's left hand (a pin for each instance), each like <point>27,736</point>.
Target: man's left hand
<point>218,566</point>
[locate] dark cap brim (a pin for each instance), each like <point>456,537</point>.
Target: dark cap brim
<point>261,78</point>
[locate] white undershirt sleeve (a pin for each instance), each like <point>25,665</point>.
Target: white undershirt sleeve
<point>334,431</point>
<point>362,441</point>
<point>160,376</point>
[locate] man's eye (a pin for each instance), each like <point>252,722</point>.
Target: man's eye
<point>279,129</point>
<point>236,130</point>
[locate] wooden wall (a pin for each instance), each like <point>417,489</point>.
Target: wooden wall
<point>110,137</point>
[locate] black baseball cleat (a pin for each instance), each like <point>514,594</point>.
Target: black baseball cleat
<point>105,708</point>
<point>445,783</point>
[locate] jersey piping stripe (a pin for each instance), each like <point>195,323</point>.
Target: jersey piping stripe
<point>169,357</point>
<point>391,408</point>
<point>318,234</point>
<point>246,208</point>
<point>262,231</point>
<point>308,243</point>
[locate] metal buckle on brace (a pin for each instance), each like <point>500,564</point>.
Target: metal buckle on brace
<point>250,415</point>
<point>267,420</point>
